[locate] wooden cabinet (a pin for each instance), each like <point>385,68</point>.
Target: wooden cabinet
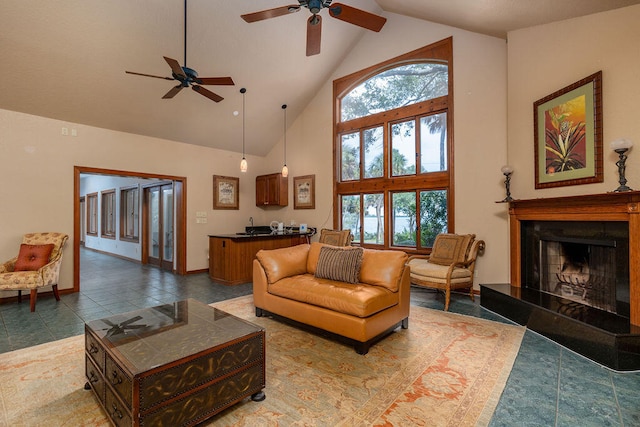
<point>231,258</point>
<point>272,190</point>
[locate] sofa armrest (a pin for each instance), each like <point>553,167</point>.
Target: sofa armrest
<point>8,266</point>
<point>260,284</point>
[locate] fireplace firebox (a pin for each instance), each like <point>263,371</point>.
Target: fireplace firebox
<point>575,274</point>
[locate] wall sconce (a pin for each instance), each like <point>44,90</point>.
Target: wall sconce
<point>621,146</point>
<point>507,171</point>
<point>285,169</point>
<point>243,163</point>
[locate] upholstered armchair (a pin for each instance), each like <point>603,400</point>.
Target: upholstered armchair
<point>450,265</point>
<point>336,237</point>
<point>37,265</point>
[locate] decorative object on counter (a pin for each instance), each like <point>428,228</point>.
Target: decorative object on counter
<point>568,135</point>
<point>225,192</point>
<point>243,163</point>
<point>621,146</point>
<point>303,228</point>
<point>304,192</point>
<point>507,171</point>
<point>285,169</point>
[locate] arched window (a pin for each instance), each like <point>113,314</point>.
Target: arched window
<point>394,180</point>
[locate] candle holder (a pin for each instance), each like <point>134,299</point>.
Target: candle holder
<point>621,147</point>
<point>507,171</point>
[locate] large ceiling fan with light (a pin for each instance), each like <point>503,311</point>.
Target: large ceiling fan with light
<point>339,11</point>
<point>188,77</point>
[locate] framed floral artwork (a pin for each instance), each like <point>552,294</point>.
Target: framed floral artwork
<point>225,192</point>
<point>568,135</point>
<point>304,192</point>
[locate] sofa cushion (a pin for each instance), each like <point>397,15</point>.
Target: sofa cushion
<point>354,299</point>
<point>283,262</point>
<point>339,263</point>
<point>33,257</point>
<point>383,268</point>
<point>451,248</point>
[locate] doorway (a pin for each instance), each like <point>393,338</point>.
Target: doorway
<point>178,231</point>
<point>157,226</point>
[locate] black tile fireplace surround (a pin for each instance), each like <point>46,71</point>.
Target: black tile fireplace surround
<point>603,337</point>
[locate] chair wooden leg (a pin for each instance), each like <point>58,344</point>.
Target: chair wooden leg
<point>57,295</point>
<point>447,298</point>
<point>32,300</point>
<point>19,296</point>
<point>473,299</point>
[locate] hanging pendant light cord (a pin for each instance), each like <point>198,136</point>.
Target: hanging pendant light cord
<point>243,91</point>
<point>284,107</point>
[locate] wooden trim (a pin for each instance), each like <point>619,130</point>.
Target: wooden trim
<point>623,207</point>
<point>181,227</point>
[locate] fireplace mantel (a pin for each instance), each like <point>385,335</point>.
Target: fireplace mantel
<point>623,207</point>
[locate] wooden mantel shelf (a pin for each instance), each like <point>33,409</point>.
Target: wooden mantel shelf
<point>623,206</point>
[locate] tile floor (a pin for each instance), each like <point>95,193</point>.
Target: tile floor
<point>548,386</point>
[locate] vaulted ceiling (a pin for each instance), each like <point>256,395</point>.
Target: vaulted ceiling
<point>67,59</point>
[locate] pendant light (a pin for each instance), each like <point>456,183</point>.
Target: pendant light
<point>243,163</point>
<point>285,169</point>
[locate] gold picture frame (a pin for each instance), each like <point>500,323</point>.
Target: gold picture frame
<point>568,135</point>
<point>304,192</point>
<point>225,192</point>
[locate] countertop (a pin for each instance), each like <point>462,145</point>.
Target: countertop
<point>245,236</point>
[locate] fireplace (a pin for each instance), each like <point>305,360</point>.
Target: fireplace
<point>575,274</point>
<point>585,262</point>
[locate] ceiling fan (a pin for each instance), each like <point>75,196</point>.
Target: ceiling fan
<point>187,76</point>
<point>339,11</point>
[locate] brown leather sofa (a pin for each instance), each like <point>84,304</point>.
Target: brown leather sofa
<point>285,284</point>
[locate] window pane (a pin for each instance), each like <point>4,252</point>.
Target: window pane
<point>373,153</point>
<point>403,148</point>
<point>374,219</point>
<point>404,219</point>
<point>129,205</point>
<point>350,156</point>
<point>351,215</point>
<point>433,216</point>
<point>433,143</point>
<point>398,87</point>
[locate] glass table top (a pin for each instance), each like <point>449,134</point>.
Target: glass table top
<point>154,336</point>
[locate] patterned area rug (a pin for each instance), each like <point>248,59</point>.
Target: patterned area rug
<point>445,370</point>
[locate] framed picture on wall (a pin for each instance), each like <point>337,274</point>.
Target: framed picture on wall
<point>225,192</point>
<point>304,192</point>
<point>568,135</point>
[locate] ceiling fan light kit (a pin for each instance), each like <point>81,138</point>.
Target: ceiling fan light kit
<point>339,11</point>
<point>188,77</point>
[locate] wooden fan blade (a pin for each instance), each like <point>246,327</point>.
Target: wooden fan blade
<point>175,67</point>
<point>314,33</point>
<point>270,13</point>
<point>357,17</point>
<point>173,92</point>
<point>220,81</point>
<point>206,92</point>
<point>149,75</point>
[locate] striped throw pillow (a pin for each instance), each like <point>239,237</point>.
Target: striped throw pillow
<point>339,263</point>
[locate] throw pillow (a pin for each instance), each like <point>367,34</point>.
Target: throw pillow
<point>33,257</point>
<point>339,263</point>
<point>451,248</point>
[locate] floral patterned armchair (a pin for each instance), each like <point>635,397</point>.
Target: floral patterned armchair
<point>37,265</point>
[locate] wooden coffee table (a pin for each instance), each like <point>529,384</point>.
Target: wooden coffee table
<point>174,364</point>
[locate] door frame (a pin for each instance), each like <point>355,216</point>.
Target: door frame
<point>180,201</point>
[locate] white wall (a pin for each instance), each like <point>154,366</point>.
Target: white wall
<point>480,128</point>
<point>547,58</point>
<point>37,173</point>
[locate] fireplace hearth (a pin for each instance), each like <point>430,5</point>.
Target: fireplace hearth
<point>575,274</point>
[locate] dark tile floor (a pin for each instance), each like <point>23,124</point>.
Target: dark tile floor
<point>548,386</point>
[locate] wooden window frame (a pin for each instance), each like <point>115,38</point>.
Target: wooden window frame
<point>108,214</point>
<point>439,180</point>
<point>126,212</point>
<point>92,214</point>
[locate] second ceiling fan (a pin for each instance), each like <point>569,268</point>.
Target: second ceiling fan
<point>339,11</point>
<point>186,76</point>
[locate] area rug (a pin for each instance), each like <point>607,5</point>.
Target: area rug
<point>445,370</point>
